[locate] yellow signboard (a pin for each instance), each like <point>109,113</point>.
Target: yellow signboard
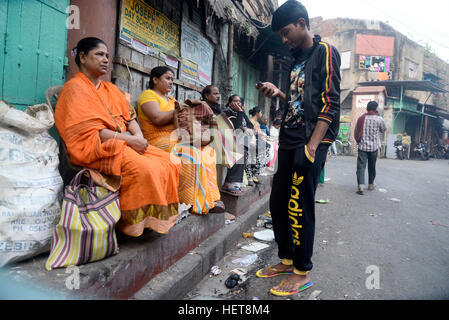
<point>148,26</point>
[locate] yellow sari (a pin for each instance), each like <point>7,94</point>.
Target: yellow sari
<point>198,176</point>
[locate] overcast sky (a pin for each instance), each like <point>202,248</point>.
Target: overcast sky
<point>424,21</point>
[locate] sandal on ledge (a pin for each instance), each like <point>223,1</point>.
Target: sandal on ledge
<point>219,207</point>
<point>233,191</point>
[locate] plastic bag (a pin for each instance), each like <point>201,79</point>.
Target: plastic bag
<point>30,183</point>
<point>246,260</point>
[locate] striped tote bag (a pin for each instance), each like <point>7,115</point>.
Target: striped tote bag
<point>86,229</point>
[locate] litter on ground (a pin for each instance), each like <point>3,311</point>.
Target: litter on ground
<point>246,260</point>
<point>266,235</point>
<point>215,270</point>
<point>256,247</point>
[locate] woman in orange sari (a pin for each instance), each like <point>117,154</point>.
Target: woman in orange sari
<point>94,120</point>
<point>198,177</point>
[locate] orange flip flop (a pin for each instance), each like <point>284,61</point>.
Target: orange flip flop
<point>289,293</point>
<point>274,274</point>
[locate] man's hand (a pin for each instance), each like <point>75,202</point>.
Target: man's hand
<point>270,90</point>
<point>138,143</point>
<point>311,149</point>
<point>317,135</point>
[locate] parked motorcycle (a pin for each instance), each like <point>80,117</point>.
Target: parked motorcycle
<point>399,149</point>
<point>441,151</point>
<point>343,147</point>
<point>421,151</point>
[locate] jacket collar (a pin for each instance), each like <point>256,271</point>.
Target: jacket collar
<point>300,54</point>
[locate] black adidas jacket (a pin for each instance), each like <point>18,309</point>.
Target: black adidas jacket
<point>321,88</point>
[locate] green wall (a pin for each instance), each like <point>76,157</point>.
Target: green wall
<point>33,42</point>
<point>244,78</point>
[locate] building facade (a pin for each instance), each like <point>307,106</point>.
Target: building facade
<point>416,81</point>
<point>203,41</point>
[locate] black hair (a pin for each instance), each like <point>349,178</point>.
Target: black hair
<point>290,12</point>
<point>372,106</point>
<point>277,122</point>
<point>85,45</point>
<point>158,72</point>
<point>254,111</point>
<point>207,90</point>
<point>232,97</point>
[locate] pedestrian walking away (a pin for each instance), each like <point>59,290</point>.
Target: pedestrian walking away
<point>366,134</point>
<point>310,125</point>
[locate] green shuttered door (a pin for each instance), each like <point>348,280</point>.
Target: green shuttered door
<point>33,38</point>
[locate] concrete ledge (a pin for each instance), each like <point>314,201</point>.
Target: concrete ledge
<point>239,205</point>
<point>179,279</point>
<point>120,276</point>
<point>144,258</point>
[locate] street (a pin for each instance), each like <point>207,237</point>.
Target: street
<point>391,243</point>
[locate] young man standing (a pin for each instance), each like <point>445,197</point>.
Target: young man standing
<point>366,134</point>
<point>310,125</point>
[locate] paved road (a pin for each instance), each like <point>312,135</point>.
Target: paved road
<point>407,242</point>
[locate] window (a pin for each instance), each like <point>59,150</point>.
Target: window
<point>374,63</point>
<point>346,60</point>
<point>412,69</point>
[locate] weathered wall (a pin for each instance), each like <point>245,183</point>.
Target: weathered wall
<point>131,68</point>
<point>97,19</point>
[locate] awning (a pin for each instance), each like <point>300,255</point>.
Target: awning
<point>228,11</point>
<point>414,85</point>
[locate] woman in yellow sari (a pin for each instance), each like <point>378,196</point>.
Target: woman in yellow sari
<point>198,177</point>
<point>94,120</point>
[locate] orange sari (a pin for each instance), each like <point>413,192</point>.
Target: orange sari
<point>198,176</point>
<point>148,193</point>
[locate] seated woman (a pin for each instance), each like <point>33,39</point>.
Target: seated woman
<point>242,125</point>
<point>198,177</point>
<point>93,118</point>
<point>259,156</point>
